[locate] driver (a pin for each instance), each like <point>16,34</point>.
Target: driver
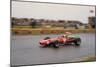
<point>67,34</point>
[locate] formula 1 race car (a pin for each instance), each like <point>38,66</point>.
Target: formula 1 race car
<point>56,42</point>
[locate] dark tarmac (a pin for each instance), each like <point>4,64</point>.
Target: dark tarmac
<point>25,50</point>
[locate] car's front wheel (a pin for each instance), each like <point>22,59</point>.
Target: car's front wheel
<point>78,42</point>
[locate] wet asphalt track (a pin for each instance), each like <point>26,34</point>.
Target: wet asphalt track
<point>25,50</point>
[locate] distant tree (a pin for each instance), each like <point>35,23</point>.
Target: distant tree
<point>31,18</point>
<point>12,24</point>
<point>33,24</point>
<point>92,22</point>
<point>76,27</point>
<point>61,21</point>
<point>25,19</point>
<point>13,18</point>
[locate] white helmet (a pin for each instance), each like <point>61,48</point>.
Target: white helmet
<point>63,35</point>
<point>68,32</point>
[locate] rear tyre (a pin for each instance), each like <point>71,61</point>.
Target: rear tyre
<point>56,44</point>
<point>78,42</point>
<point>46,38</point>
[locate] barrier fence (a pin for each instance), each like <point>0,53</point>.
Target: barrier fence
<point>48,31</point>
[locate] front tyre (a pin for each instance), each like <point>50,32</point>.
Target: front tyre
<point>78,42</point>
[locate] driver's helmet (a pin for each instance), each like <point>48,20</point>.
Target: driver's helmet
<point>68,33</point>
<point>63,35</point>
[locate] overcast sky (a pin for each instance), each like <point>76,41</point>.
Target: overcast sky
<point>51,11</point>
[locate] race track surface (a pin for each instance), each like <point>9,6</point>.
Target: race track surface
<point>25,50</point>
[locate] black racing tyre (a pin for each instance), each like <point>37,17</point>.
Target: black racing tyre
<point>46,38</point>
<point>55,44</point>
<point>78,42</point>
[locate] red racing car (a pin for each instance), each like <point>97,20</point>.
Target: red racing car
<point>62,40</point>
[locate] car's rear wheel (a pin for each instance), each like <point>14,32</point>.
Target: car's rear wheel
<point>78,42</point>
<point>46,38</point>
<point>55,44</point>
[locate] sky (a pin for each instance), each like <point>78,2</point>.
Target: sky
<point>51,11</point>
